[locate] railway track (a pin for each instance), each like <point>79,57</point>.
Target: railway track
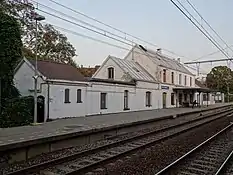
<point>86,161</point>
<point>227,166</point>
<point>208,158</point>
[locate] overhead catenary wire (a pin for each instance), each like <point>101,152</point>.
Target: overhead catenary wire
<point>114,28</point>
<point>211,53</point>
<point>83,22</point>
<point>104,42</point>
<point>209,25</point>
<point>103,34</point>
<point>210,38</point>
<point>130,44</point>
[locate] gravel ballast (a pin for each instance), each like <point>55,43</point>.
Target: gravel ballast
<point>151,160</point>
<point>53,155</point>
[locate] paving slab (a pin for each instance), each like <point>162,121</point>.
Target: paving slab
<point>48,130</point>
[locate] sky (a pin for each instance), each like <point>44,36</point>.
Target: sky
<point>155,21</point>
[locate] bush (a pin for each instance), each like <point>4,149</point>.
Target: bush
<point>17,112</point>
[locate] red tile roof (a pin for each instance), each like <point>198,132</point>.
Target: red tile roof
<point>59,71</point>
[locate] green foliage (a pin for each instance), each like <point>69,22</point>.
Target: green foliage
<point>14,110</point>
<point>220,78</point>
<point>10,46</point>
<point>52,45</point>
<point>10,54</point>
<point>18,112</point>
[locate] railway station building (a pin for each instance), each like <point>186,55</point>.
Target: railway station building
<point>143,80</point>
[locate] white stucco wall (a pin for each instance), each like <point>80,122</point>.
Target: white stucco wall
<point>24,81</point>
<point>57,106</point>
<point>103,71</point>
<point>138,56</point>
<point>157,71</point>
<point>202,102</point>
<point>115,98</point>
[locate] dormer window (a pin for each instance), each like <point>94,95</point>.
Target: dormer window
<point>111,73</point>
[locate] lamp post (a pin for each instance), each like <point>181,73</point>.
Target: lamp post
<point>37,18</point>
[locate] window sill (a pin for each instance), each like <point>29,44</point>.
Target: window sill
<point>67,102</point>
<point>79,101</point>
<point>103,108</point>
<point>126,109</point>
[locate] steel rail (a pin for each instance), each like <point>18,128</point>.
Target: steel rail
<point>123,153</point>
<point>61,160</point>
<point>167,168</point>
<point>224,163</point>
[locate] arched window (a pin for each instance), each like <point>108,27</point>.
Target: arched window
<point>67,95</point>
<point>148,99</point>
<point>79,96</point>
<point>126,100</point>
<point>111,73</point>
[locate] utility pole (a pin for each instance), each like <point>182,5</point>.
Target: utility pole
<point>228,93</point>
<point>0,95</point>
<point>37,18</point>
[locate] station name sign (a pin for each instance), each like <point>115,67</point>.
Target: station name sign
<point>165,87</point>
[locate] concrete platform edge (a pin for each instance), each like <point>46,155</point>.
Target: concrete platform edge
<point>96,130</point>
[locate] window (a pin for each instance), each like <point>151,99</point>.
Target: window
<point>67,95</point>
<point>185,80</point>
<point>172,77</point>
<point>190,81</point>
<point>164,75</point>
<point>191,98</point>
<point>205,98</point>
<point>79,96</point>
<point>172,99</point>
<point>103,101</point>
<point>126,100</point>
<point>180,98</point>
<point>180,79</point>
<point>185,97</point>
<point>111,73</point>
<point>148,99</point>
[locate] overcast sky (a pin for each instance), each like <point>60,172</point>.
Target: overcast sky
<point>156,21</point>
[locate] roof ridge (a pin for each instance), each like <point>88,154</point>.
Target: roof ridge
<point>50,61</point>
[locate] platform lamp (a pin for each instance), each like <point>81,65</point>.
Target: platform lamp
<point>37,18</point>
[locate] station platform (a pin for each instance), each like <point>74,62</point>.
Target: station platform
<point>16,137</point>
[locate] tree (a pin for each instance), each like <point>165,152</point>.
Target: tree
<point>220,78</point>
<point>52,45</point>
<point>10,54</point>
<point>14,110</point>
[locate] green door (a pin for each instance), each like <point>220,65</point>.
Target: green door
<point>164,100</point>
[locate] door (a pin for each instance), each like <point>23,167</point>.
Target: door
<point>180,98</point>
<point>164,100</point>
<point>40,109</point>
